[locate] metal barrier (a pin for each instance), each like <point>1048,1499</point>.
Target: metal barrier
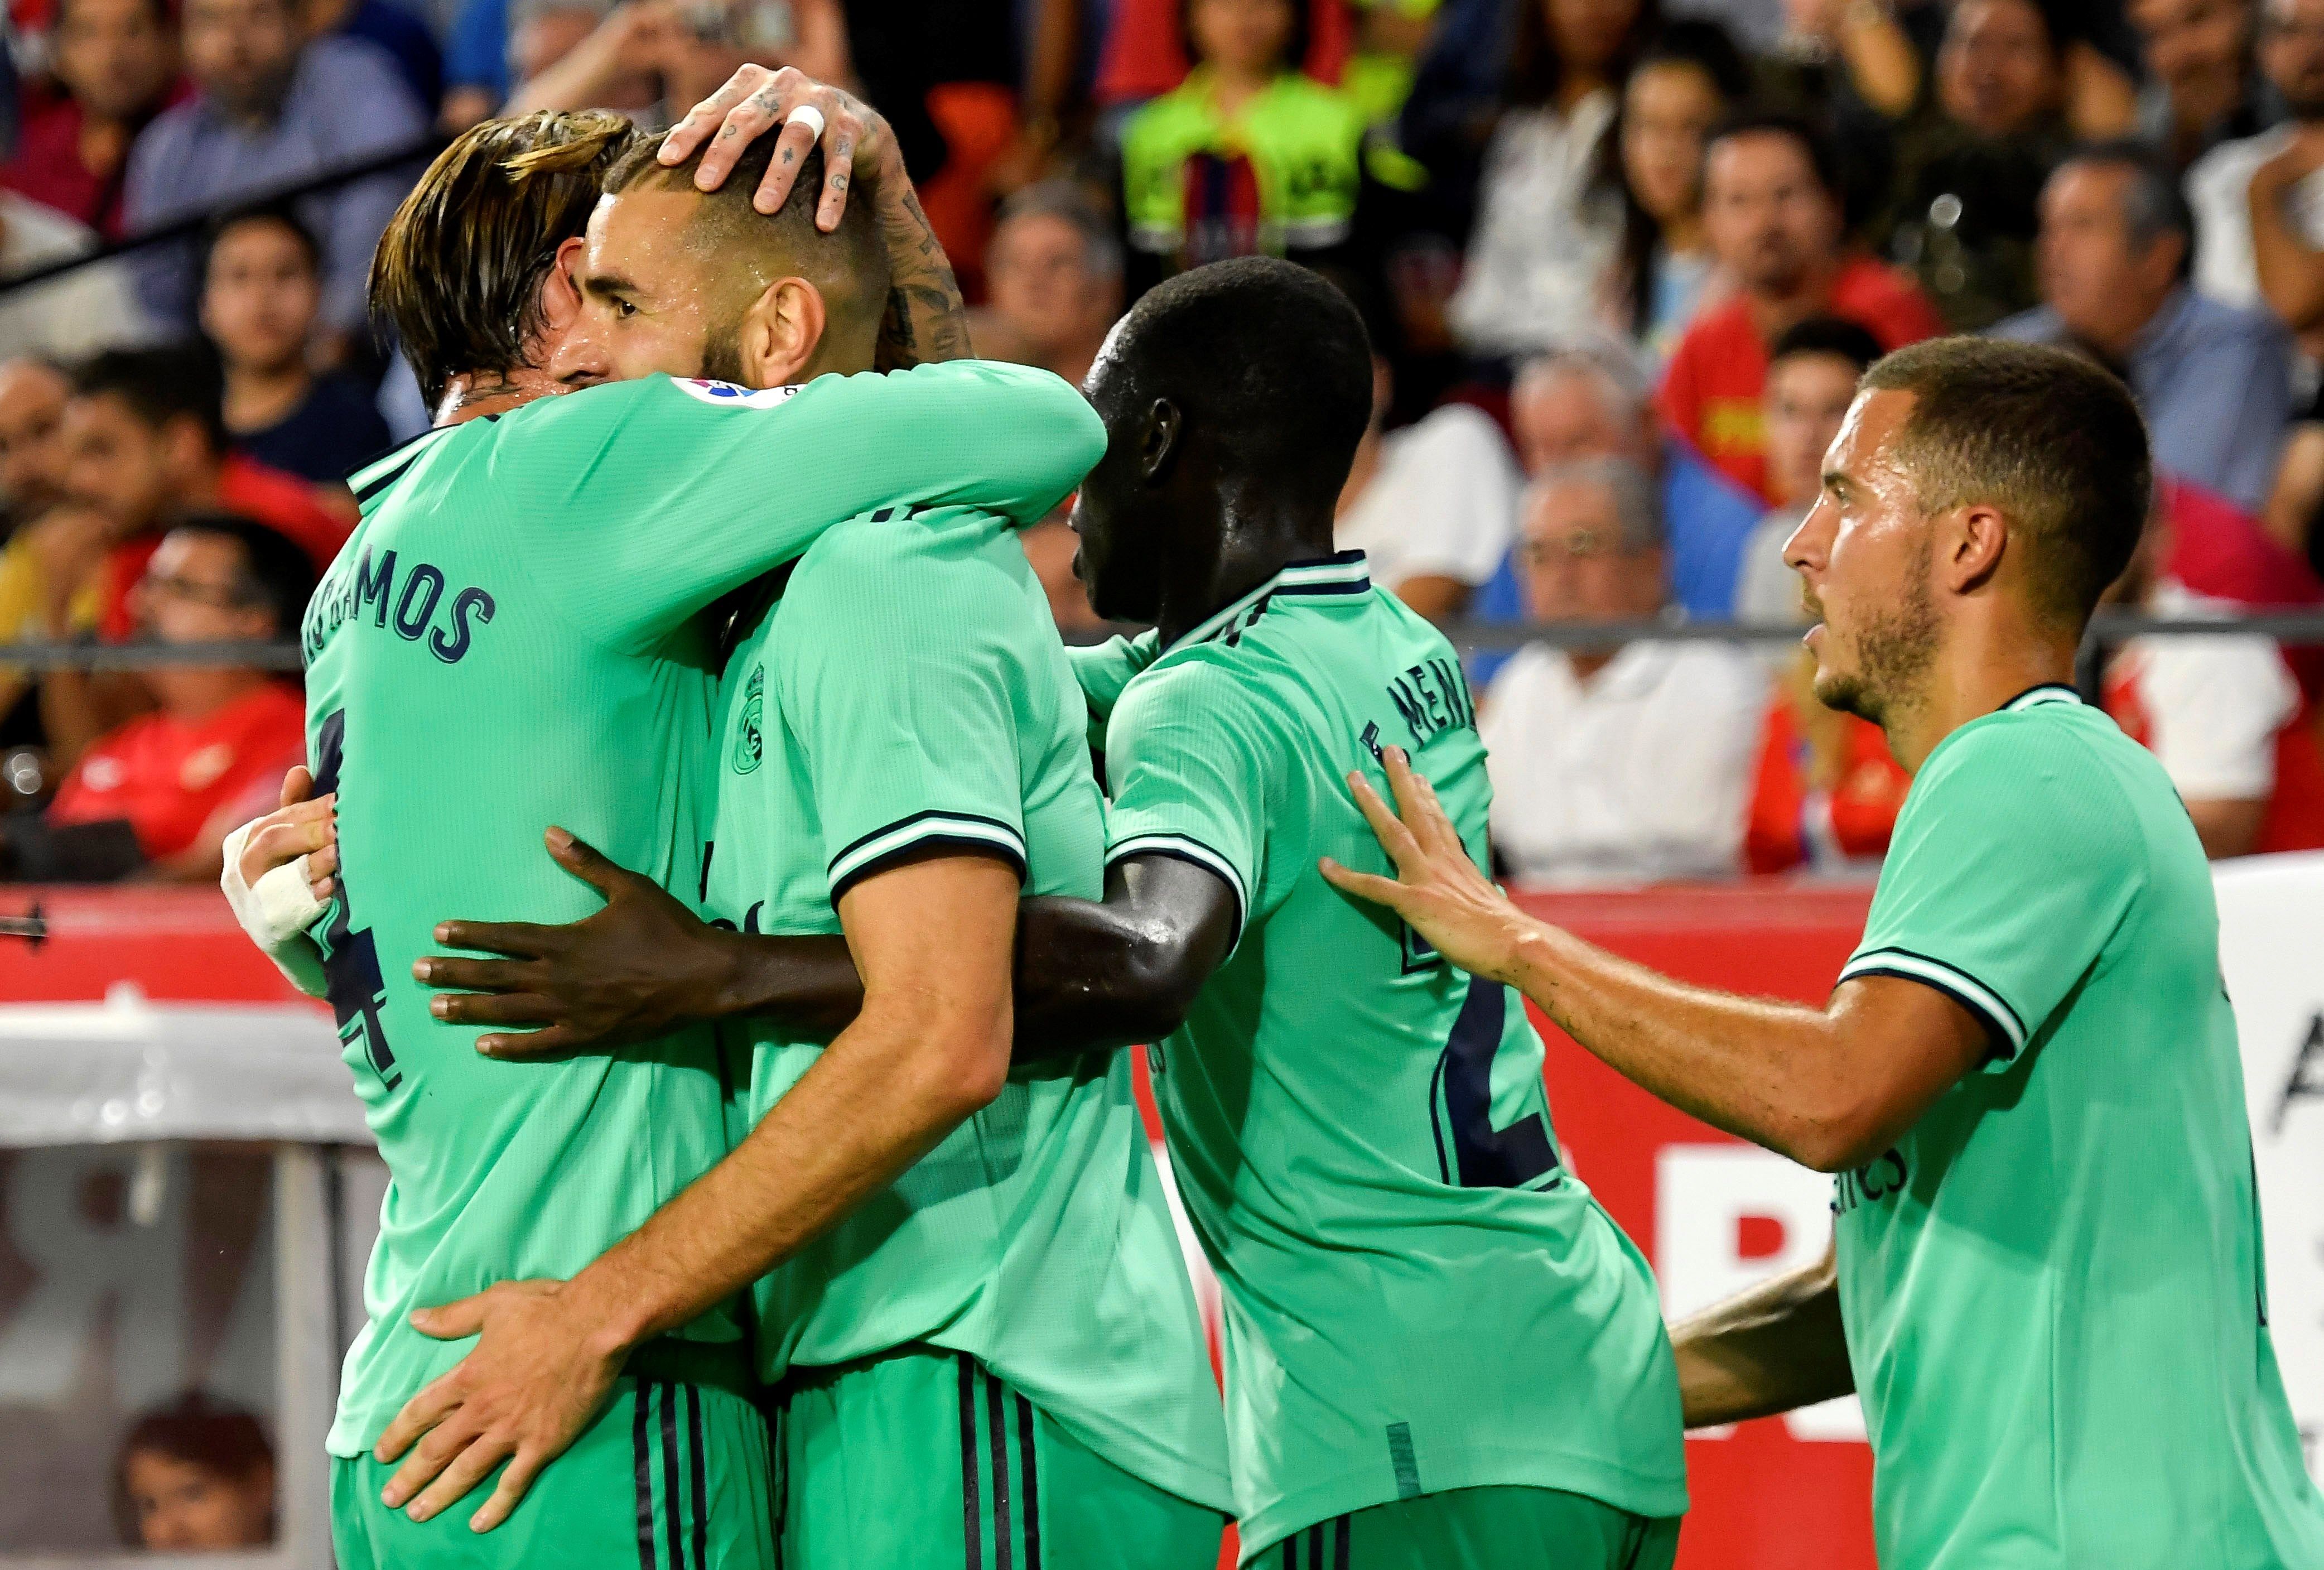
<point>2296,626</point>
<point>411,155</point>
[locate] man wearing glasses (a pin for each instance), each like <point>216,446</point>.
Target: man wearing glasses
<point>157,796</point>
<point>1629,765</point>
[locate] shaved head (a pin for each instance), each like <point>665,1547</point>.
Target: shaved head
<point>738,252</point>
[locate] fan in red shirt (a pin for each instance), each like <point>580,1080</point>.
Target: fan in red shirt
<point>157,795</point>
<point>146,441</point>
<point>1771,211</point>
<point>116,68</point>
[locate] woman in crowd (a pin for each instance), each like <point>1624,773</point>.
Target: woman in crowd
<point>1548,228</point>
<point>1688,80</point>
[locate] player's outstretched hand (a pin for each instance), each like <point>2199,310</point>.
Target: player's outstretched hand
<point>1437,888</point>
<point>530,1384</point>
<point>857,140</point>
<point>637,969</point>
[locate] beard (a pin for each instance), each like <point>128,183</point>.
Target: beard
<point>1892,652</point>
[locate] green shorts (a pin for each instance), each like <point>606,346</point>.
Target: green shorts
<point>926,1460</point>
<point>1480,1529</point>
<point>671,1476</point>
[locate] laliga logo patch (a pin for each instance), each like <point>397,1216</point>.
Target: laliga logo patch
<point>729,394</point>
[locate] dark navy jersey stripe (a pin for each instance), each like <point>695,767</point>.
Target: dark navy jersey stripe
<point>700,1479</point>
<point>669,1499</point>
<point>642,1464</point>
<point>996,1427</point>
<point>1028,1497</point>
<point>2003,1046</point>
<point>969,1501</point>
<point>860,840</point>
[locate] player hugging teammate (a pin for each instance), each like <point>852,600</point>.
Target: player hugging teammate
<point>767,1185</point>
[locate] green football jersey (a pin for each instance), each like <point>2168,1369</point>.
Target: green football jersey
<point>2053,1284</point>
<point>509,641</point>
<point>907,690</point>
<point>1419,1296</point>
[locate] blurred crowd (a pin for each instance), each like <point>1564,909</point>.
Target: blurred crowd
<point>1622,261</point>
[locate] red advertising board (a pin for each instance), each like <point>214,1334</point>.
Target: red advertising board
<point>1710,1212</point>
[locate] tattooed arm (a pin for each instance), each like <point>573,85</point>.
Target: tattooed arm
<point>926,319</point>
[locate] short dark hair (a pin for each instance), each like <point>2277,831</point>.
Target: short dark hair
<point>160,384</point>
<point>281,214</point>
<point>195,1430</point>
<point>278,576</point>
<point>2153,205</point>
<point>1707,46</point>
<point>850,262</point>
<point>1814,143</point>
<point>1828,335</point>
<point>1271,361</point>
<point>459,270</point>
<point>2047,436</point>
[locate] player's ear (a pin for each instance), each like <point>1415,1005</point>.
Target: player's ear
<point>1974,537</point>
<point>781,333</point>
<point>560,291</point>
<point>1158,443</point>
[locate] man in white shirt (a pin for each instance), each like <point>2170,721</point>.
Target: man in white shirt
<point>1625,767</point>
<point>2259,202</point>
<point>2209,708</point>
<point>1429,504</point>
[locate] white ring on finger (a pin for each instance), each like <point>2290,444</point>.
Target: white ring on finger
<point>808,116</point>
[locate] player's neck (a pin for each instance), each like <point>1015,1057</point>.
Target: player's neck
<point>1973,673</point>
<point>1257,538</point>
<point>472,395</point>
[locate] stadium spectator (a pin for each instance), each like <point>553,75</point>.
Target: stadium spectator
<point>157,796</point>
<point>1688,80</point>
<point>146,438</point>
<point>1972,157</point>
<point>115,65</point>
<point>1629,767</point>
<point>1594,402</point>
<point>2214,382</point>
<point>1549,223</point>
<point>2258,205</point>
<point>271,109</point>
<point>1248,155</point>
<point>86,309</point>
<point>1826,792</point>
<point>1055,272</point>
<point>1389,38</point>
<point>2218,713</point>
<point>1430,504</point>
<point>589,54</point>
<point>262,284</point>
<point>1772,209</point>
<point>1812,374</point>
<point>2201,88</point>
<point>32,396</point>
<point>403,35</point>
<point>475,64</point>
<point>195,1474</point>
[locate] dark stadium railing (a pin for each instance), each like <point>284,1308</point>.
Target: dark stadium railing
<point>2294,627</point>
<point>411,155</point>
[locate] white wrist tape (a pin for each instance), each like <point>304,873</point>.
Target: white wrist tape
<point>808,116</point>
<point>275,913</point>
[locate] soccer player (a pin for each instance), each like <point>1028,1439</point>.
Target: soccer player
<point>967,1287</point>
<point>1440,1351</point>
<point>512,638</point>
<point>2047,1285</point>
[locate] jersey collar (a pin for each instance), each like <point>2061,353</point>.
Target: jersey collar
<point>2034,697</point>
<point>1344,573</point>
